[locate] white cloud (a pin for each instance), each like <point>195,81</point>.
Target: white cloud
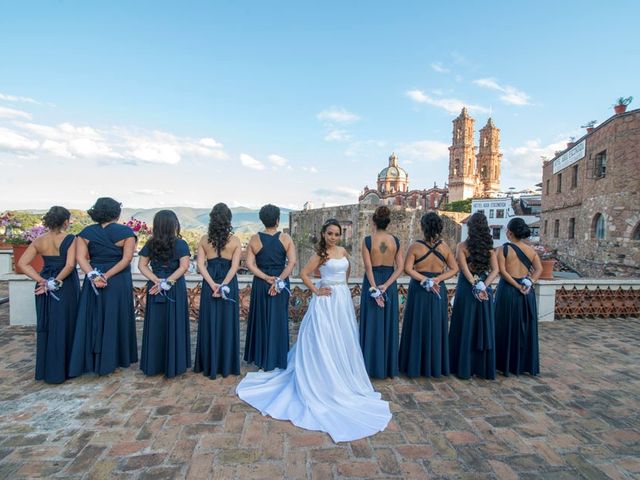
<point>14,98</point>
<point>310,169</point>
<point>510,94</point>
<point>6,112</point>
<point>12,141</point>
<point>338,135</point>
<point>423,151</point>
<point>338,115</point>
<point>329,194</point>
<point>522,165</point>
<point>249,162</point>
<point>151,192</point>
<point>451,105</point>
<point>438,67</point>
<point>210,142</point>
<point>277,160</point>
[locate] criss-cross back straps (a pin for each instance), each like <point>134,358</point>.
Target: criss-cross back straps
<point>519,253</point>
<point>431,250</point>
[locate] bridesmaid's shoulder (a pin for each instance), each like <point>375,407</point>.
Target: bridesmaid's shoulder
<point>235,241</point>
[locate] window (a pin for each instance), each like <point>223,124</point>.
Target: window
<point>601,164</point>
<point>545,227</point>
<point>500,213</point>
<point>636,233</point>
<point>456,167</point>
<point>491,213</point>
<point>559,184</point>
<point>548,187</point>
<point>574,176</point>
<point>495,232</point>
<point>597,227</point>
<point>572,228</point>
<point>556,228</point>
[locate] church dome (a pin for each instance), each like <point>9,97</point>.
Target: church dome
<point>393,171</point>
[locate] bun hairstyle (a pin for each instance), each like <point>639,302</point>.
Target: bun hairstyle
<point>166,228</point>
<point>106,209</point>
<point>269,215</point>
<point>219,226</point>
<point>382,217</point>
<point>55,217</point>
<point>431,224</point>
<point>321,249</point>
<point>519,228</point>
<point>479,243</point>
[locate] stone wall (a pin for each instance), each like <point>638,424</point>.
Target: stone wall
<point>356,219</point>
<point>614,195</point>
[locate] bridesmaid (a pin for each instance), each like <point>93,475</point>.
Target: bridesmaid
<point>57,290</point>
<point>166,342</point>
<point>472,328</point>
<point>105,336</point>
<point>516,311</point>
<point>383,264</point>
<point>218,347</point>
<point>424,347</point>
<point>271,257</point>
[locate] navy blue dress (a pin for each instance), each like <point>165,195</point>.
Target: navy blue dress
<point>424,346</point>
<point>472,332</point>
<point>218,347</point>
<point>105,336</point>
<point>516,324</point>
<point>56,319</point>
<point>267,341</point>
<point>166,341</point>
<point>379,326</point>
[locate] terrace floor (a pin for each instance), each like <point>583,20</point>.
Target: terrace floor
<point>579,419</point>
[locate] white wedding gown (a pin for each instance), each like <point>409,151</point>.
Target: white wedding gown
<point>325,386</point>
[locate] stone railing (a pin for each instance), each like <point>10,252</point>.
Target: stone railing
<point>572,298</point>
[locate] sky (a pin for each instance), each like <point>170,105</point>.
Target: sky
<point>164,103</point>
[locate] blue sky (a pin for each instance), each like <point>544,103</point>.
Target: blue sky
<point>191,103</point>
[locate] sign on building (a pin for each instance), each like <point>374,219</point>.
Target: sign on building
<point>569,157</point>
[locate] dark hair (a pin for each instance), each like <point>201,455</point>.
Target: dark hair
<point>55,217</point>
<point>219,226</point>
<point>269,215</point>
<point>166,228</point>
<point>321,248</point>
<point>104,210</point>
<point>382,217</point>
<point>431,224</point>
<point>519,228</point>
<point>479,243</point>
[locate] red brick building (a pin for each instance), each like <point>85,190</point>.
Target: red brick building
<point>591,199</point>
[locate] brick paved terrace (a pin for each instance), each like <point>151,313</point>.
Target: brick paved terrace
<point>579,419</point>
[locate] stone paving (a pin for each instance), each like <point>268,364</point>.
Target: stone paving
<point>579,419</point>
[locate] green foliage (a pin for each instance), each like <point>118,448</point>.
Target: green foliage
<point>459,206</point>
<point>623,101</point>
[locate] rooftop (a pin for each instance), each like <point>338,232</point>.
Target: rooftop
<point>578,419</point>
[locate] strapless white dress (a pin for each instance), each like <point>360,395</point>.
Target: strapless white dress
<point>325,386</point>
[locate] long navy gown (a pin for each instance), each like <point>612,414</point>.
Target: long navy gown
<point>218,347</point>
<point>516,324</point>
<point>379,326</point>
<point>105,336</point>
<point>56,319</point>
<point>267,341</point>
<point>424,346</point>
<point>166,342</point>
<point>472,333</point>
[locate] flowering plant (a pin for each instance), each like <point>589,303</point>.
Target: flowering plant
<point>545,253</point>
<point>28,236</point>
<point>9,221</point>
<point>138,226</point>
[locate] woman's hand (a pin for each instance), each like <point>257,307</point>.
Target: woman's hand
<point>155,289</point>
<point>215,289</point>
<point>269,279</point>
<point>323,292</point>
<point>100,282</point>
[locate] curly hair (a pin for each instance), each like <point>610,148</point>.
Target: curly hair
<point>55,217</point>
<point>269,215</point>
<point>431,224</point>
<point>219,226</point>
<point>518,227</point>
<point>321,248</point>
<point>479,243</point>
<point>166,228</point>
<point>106,209</point>
<point>382,217</point>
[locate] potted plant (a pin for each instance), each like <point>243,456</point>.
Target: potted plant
<point>21,241</point>
<point>9,222</point>
<point>621,104</point>
<point>143,232</point>
<point>590,126</point>
<point>547,258</point>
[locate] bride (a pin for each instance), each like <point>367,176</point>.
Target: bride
<point>325,385</point>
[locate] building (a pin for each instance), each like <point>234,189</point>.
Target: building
<point>591,200</point>
<point>499,211</point>
<point>470,174</point>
